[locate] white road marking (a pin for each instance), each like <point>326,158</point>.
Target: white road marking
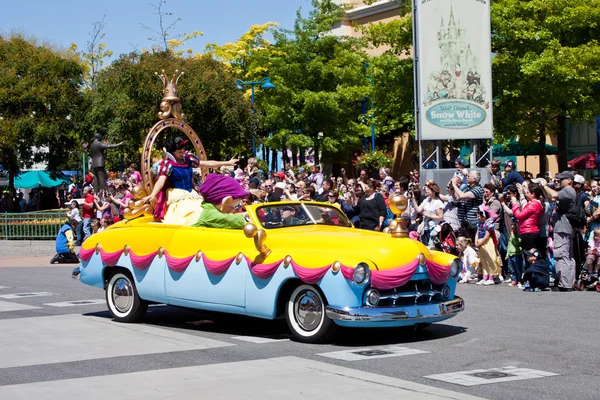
<point>9,306</point>
<point>372,352</point>
<point>491,375</point>
<point>25,295</point>
<point>258,339</point>
<point>75,303</point>
<point>73,337</point>
<point>291,378</point>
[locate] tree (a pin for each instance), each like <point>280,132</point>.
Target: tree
<point>321,81</point>
<point>94,53</point>
<point>163,35</point>
<point>249,57</point>
<point>126,104</point>
<point>546,68</point>
<point>40,89</point>
<point>393,84</point>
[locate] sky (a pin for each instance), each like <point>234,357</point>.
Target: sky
<point>62,22</point>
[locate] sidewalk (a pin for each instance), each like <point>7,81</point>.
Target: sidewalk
<point>27,253</point>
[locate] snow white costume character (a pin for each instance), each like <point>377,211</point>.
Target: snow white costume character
<point>179,203</point>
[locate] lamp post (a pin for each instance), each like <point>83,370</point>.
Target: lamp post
<point>264,83</point>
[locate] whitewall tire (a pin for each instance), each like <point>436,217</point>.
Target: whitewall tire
<point>306,317</point>
<point>122,299</point>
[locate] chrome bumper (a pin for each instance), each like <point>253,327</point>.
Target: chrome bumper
<point>76,272</point>
<point>418,313</point>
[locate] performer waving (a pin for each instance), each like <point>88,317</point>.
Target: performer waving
<point>179,203</point>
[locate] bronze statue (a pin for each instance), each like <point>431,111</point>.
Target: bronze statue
<point>97,152</point>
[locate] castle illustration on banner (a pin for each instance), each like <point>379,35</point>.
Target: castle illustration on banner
<point>458,77</point>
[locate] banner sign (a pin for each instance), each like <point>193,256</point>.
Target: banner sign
<point>454,69</point>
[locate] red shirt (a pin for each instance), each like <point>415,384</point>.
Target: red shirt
<point>88,212</point>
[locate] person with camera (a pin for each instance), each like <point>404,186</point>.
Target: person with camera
<point>370,207</point>
<point>564,232</point>
<point>469,202</point>
<point>431,209</point>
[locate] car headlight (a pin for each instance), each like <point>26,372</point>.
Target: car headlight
<point>455,267</point>
<point>372,297</point>
<point>361,273</point>
<point>446,292</point>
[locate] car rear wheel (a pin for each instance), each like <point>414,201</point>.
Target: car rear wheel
<point>306,317</point>
<point>122,299</point>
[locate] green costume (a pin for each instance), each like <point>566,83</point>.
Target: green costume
<point>211,217</point>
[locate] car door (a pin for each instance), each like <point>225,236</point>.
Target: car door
<point>195,286</point>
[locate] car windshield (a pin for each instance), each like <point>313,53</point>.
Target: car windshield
<point>280,215</point>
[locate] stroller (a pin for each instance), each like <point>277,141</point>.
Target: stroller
<point>443,239</point>
<point>586,281</point>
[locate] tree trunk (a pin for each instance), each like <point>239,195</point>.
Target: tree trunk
<point>302,156</point>
<point>274,160</point>
<point>266,158</point>
<point>294,156</point>
<point>561,142</point>
<point>11,182</point>
<point>284,156</point>
<point>316,150</point>
<point>542,142</point>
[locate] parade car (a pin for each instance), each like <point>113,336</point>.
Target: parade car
<point>303,261</point>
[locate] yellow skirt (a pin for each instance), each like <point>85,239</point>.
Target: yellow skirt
<point>490,262</point>
<point>183,207</point>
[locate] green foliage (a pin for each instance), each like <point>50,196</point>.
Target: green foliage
<point>373,160</point>
<point>126,104</point>
<point>546,64</point>
<point>392,92</point>
<point>39,91</point>
<point>321,81</point>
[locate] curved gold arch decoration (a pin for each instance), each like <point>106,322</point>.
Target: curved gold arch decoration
<point>136,207</point>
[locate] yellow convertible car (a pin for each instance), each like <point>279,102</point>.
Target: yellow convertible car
<point>301,260</point>
<point>313,267</point>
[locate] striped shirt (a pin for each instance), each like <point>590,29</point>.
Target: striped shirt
<point>467,209</point>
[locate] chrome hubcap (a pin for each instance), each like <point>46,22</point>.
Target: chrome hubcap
<point>122,295</point>
<point>308,310</point>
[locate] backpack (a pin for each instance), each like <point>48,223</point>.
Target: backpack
<point>576,214</point>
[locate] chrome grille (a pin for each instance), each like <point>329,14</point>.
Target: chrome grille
<point>413,292</point>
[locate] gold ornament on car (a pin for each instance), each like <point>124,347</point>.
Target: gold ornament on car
<point>398,205</point>
<point>170,103</point>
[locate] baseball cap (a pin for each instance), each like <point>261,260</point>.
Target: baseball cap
<point>301,169</point>
<point>532,252</point>
<point>579,179</point>
<point>509,163</point>
<point>460,161</point>
<point>281,185</point>
<point>565,175</point>
<point>279,175</point>
<point>255,181</point>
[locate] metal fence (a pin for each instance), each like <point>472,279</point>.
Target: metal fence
<point>32,225</point>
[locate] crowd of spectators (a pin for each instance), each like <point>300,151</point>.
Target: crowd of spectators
<point>523,231</point>
<point>515,229</point>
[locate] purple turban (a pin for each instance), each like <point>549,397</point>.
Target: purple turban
<point>216,187</point>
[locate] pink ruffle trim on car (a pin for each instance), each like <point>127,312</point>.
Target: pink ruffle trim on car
<point>438,273</point>
<point>382,280</point>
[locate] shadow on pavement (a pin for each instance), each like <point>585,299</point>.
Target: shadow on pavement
<point>230,324</point>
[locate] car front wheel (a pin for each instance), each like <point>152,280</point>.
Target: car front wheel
<point>306,317</point>
<point>122,299</point>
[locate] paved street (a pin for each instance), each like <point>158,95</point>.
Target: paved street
<point>57,341</point>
